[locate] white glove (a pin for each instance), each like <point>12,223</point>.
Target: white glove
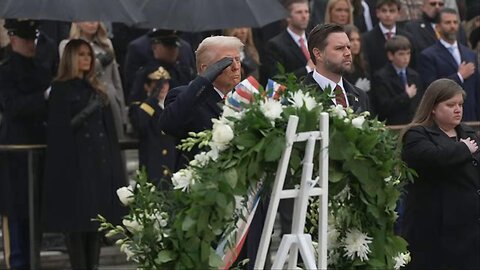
<point>363,83</point>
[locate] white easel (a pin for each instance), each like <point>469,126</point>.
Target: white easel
<point>298,240</point>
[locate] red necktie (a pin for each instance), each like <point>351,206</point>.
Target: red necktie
<point>339,96</point>
<point>304,48</point>
<point>389,35</point>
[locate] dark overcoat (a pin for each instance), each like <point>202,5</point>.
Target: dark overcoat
<point>189,108</point>
<point>156,150</point>
<point>442,206</point>
<point>83,165</point>
<point>22,84</point>
<point>389,99</point>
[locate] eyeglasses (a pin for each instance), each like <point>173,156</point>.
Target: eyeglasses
<point>440,4</point>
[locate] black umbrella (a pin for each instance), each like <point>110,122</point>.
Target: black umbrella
<point>124,11</point>
<point>205,15</point>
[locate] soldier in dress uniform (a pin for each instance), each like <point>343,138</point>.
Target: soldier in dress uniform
<point>24,80</point>
<point>157,152</point>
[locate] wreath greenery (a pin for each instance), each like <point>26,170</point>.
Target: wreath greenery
<point>180,229</point>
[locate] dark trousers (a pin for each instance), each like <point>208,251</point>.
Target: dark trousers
<point>16,242</point>
<point>83,249</point>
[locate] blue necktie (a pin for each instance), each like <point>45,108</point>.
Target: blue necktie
<point>456,56</point>
<point>403,76</point>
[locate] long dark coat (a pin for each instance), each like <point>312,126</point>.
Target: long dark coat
<point>22,84</point>
<point>83,164</point>
<point>442,211</point>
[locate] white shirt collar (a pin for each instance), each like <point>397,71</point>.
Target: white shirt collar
<point>222,95</point>
<point>296,37</point>
<point>385,30</point>
<point>448,45</point>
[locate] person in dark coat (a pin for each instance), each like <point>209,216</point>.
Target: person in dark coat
<point>24,79</point>
<point>423,30</point>
<point>442,207</point>
<point>156,150</point>
<point>192,107</point>
<point>447,58</point>
<point>332,63</point>
<point>397,89</point>
<point>373,41</point>
<point>286,47</point>
<point>83,165</point>
<point>162,47</point>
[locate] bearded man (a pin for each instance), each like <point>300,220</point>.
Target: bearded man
<point>329,48</point>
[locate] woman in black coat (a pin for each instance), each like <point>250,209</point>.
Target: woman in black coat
<point>442,215</point>
<point>83,164</point>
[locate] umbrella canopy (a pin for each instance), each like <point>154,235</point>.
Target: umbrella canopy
<point>124,11</point>
<point>205,15</point>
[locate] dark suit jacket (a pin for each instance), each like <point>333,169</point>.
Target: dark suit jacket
<point>190,108</point>
<point>373,44</point>
<point>357,98</point>
<point>389,99</point>
<point>436,62</point>
<point>139,54</point>
<point>423,35</point>
<point>442,206</point>
<point>284,50</point>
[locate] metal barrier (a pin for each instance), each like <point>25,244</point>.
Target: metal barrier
<point>33,152</point>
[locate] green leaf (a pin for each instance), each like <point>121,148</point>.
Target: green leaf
<point>165,256</point>
<point>275,149</point>
<point>247,139</point>
<point>187,223</point>
<point>231,177</point>
<point>214,260</point>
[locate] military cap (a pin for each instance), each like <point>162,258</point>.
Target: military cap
<point>166,37</point>
<point>26,29</point>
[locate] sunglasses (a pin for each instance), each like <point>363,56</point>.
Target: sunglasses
<point>440,4</point>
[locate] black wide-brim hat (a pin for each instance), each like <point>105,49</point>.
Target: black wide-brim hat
<point>26,29</point>
<point>166,37</point>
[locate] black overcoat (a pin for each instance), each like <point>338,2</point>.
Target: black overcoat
<point>442,206</point>
<point>83,165</point>
<point>22,84</point>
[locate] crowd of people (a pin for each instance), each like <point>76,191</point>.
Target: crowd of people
<point>64,86</point>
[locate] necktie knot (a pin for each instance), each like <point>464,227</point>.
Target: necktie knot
<point>303,47</point>
<point>389,34</point>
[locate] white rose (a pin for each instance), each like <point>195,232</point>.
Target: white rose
<point>132,225</point>
<point>358,121</point>
<point>213,153</point>
<point>339,112</point>
<point>183,179</point>
<point>229,112</point>
<point>200,160</point>
<point>272,109</point>
<point>125,195</point>
<point>221,133</point>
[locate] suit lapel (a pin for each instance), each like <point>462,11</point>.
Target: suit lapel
<point>213,101</point>
<point>397,81</point>
<point>444,51</point>
<point>293,47</point>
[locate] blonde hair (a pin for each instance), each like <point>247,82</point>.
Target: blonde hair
<point>250,47</point>
<point>100,37</point>
<point>68,66</point>
<point>206,52</point>
<point>329,8</point>
<point>437,92</point>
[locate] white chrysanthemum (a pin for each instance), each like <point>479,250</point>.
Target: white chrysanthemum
<point>132,225</point>
<point>387,179</point>
<point>200,160</point>
<point>183,179</point>
<point>332,257</point>
<point>401,260</point>
<point>272,109</point>
<point>358,121</point>
<point>125,195</point>
<point>339,112</point>
<point>222,133</point>
<point>356,245</point>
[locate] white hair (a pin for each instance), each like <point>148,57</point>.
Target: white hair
<point>206,49</point>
